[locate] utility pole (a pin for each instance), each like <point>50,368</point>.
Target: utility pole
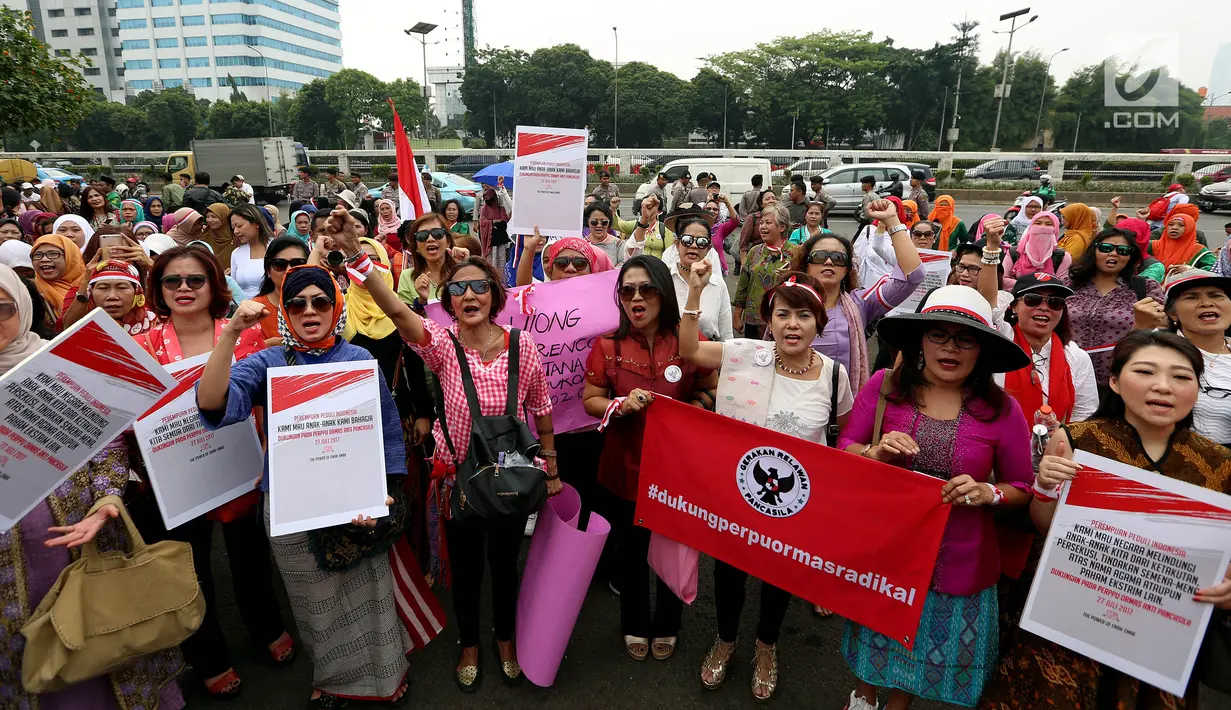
<point>615,129</point>
<point>1076,131</point>
<point>419,32</point>
<point>964,29</point>
<point>493,119</point>
<point>1004,79</point>
<point>1038,122</point>
<point>940,135</point>
<point>794,117</point>
<point>724,117</point>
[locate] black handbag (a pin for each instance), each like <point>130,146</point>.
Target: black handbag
<point>498,478</point>
<point>500,233</point>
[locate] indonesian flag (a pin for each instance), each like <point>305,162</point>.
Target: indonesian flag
<point>412,198</point>
<point>417,606</point>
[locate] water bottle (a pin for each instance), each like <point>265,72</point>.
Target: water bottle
<point>1045,423</point>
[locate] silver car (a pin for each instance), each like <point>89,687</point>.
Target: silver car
<point>842,182</point>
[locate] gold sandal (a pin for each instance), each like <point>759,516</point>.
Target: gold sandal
<point>638,647</point>
<point>772,683</point>
<point>717,668</point>
<point>663,648</point>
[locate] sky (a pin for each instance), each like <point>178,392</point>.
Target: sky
<point>676,37</point>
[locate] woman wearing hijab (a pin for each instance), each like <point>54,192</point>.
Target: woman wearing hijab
<point>35,223</point>
<point>494,218</point>
<point>1151,268</point>
<point>187,226</point>
<point>348,622</point>
<point>49,200</point>
<point>116,287</point>
<point>952,229</point>
<point>1038,252</point>
<point>154,209</point>
<point>34,552</point>
<point>1178,245</point>
<point>271,220</point>
<point>1187,208</point>
<point>911,208</point>
<point>1031,207</point>
<point>218,232</point>
<point>141,230</point>
<point>131,212</point>
<point>283,253</point>
<point>58,267</point>
<point>76,228</point>
<point>387,224</point>
<point>566,258</point>
<point>300,226</point>
<point>1079,226</point>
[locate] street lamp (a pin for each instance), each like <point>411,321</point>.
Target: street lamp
<point>269,99</point>
<point>615,129</point>
<point>1004,80</point>
<point>419,32</point>
<point>1046,76</point>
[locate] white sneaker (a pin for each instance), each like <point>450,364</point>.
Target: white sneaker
<point>858,703</point>
<point>530,522</point>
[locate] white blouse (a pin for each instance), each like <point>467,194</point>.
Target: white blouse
<point>247,272</point>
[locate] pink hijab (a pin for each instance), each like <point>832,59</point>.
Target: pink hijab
<point>599,261</point>
<point>184,218</point>
<point>1036,246</point>
<point>387,226</point>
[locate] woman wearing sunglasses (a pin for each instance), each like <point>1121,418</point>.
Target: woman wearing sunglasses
<point>473,295</point>
<point>431,251</point>
<point>252,233</point>
<point>598,220</point>
<point>282,254</point>
<point>799,395</point>
<point>694,244</point>
<point>237,293</point>
<point>1145,421</point>
<point>564,259</point>
<point>626,368</point>
<point>191,300</point>
<point>940,412</point>
<point>1199,307</point>
<point>348,625</point>
<point>1110,297</point>
<point>848,308</point>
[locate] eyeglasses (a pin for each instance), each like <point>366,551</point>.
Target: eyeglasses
<point>283,264</point>
<point>479,286</point>
<point>972,269</point>
<point>1121,249</point>
<point>49,255</point>
<point>921,234</point>
<point>172,282</point>
<point>963,339</point>
<point>578,262</point>
<point>647,290</point>
<point>1034,300</point>
<point>1212,392</point>
<point>820,256</point>
<point>298,305</point>
<point>600,223</point>
<point>426,234</point>
<point>698,242</point>
<point>8,309</point>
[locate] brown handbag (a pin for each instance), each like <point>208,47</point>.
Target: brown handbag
<point>107,609</point>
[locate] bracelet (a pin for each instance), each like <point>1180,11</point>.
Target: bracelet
<point>990,260</point>
<point>612,410</point>
<point>997,494</point>
<point>900,228</point>
<point>361,269</point>
<point>547,453</point>
<point>689,312</point>
<point>864,451</point>
<point>354,258</point>
<point>1045,494</point>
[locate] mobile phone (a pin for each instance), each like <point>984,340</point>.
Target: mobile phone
<point>107,242</point>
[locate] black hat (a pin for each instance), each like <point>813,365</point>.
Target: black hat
<point>689,210</point>
<point>1038,282</point>
<point>964,306</point>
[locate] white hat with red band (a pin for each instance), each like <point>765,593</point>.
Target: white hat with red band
<point>960,305</point>
<point>1178,280</point>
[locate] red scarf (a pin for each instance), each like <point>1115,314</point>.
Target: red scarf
<point>1023,386</point>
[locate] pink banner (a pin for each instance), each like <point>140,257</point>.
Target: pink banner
<point>564,318</point>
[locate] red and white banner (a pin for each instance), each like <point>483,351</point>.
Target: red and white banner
<point>549,171</point>
<point>326,446</point>
<point>412,196</point>
<point>1126,551</point>
<point>63,404</point>
<point>851,534</point>
<point>935,273</point>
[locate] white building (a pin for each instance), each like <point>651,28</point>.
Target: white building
<point>446,83</point>
<point>266,46</point>
<point>82,28</point>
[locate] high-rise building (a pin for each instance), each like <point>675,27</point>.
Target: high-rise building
<point>81,28</point>
<point>446,83</point>
<point>264,47</point>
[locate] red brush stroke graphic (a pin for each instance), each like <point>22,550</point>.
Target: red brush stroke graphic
<point>1097,489</point>
<point>185,380</point>
<point>290,392</point>
<point>927,258</point>
<point>93,349</point>
<point>531,143</point>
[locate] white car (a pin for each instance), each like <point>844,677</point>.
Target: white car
<point>807,167</point>
<point>842,182</point>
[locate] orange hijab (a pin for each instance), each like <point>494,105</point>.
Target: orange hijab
<point>1177,251</point>
<point>914,211</point>
<point>74,267</point>
<point>944,213</point>
<point>1078,229</point>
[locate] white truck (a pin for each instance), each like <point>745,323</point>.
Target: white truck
<point>269,165</point>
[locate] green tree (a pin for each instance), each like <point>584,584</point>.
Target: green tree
<point>1027,77</point>
<point>312,118</point>
<point>653,104</point>
<point>407,95</point>
<point>37,92</point>
<point>173,118</point>
<point>564,86</point>
<point>111,126</point>
<point>356,97</point>
<point>718,101</point>
<point>1081,101</point>
<point>490,92</point>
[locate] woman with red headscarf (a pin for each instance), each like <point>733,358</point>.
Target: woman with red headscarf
<point>1151,268</point>
<point>566,258</point>
<point>1178,243</point>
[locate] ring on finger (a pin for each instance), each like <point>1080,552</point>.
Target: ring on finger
<point>967,498</point>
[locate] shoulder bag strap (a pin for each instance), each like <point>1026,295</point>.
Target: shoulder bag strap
<point>514,370</point>
<point>472,396</point>
<point>1139,286</point>
<point>880,407</point>
<point>831,431</point>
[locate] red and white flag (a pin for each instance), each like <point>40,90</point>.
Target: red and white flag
<point>412,198</point>
<point>417,606</point>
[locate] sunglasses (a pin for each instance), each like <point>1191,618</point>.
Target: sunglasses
<point>479,286</point>
<point>50,255</point>
<point>1121,249</point>
<point>8,309</point>
<point>578,262</point>
<point>698,242</point>
<point>426,234</point>
<point>648,291</point>
<point>284,264</point>
<point>963,339</point>
<point>820,256</point>
<point>928,233</point>
<point>1034,300</point>
<point>172,282</point>
<point>298,305</point>
<point>600,223</point>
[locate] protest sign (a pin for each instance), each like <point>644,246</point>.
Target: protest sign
<point>550,173</point>
<point>779,508</point>
<point>193,470</point>
<point>935,273</point>
<point>564,318</point>
<point>63,404</point>
<point>1126,551</point>
<point>326,446</point>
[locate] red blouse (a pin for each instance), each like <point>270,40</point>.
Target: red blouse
<point>620,366</point>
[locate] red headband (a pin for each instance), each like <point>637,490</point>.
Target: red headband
<point>792,283</point>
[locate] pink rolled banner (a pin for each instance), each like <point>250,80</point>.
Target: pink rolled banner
<point>554,583</point>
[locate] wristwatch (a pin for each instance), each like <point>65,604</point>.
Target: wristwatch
<point>82,298</point>
<point>900,228</point>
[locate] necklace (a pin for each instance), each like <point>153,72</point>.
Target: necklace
<point>490,340</point>
<point>792,371</point>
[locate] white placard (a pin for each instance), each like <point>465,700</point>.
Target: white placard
<point>326,445</point>
<point>194,470</point>
<point>936,273</point>
<point>549,174</point>
<point>63,404</point>
<point>1125,553</point>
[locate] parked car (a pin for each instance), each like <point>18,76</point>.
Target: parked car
<point>734,174</point>
<point>471,163</point>
<point>452,187</point>
<point>806,167</point>
<point>1008,169</point>
<point>1216,173</point>
<point>842,182</point>
<point>58,175</point>
<point>929,179</point>
<point>1215,196</point>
